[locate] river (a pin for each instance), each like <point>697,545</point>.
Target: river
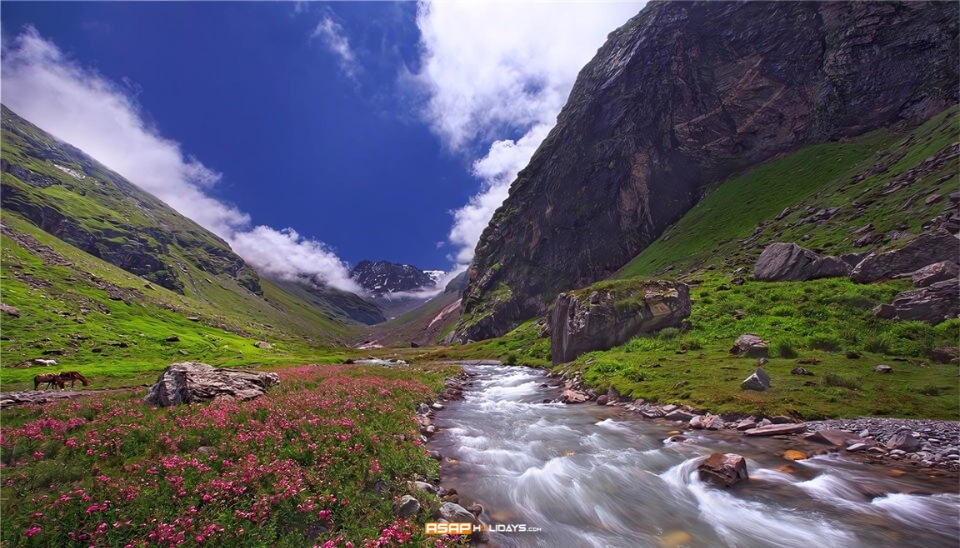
<point>592,476</point>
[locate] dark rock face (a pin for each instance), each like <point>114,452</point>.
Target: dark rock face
<point>606,318</point>
<point>680,97</point>
<point>386,277</point>
<point>932,304</point>
<point>922,251</point>
<point>784,262</point>
<point>191,382</point>
<point>937,272</point>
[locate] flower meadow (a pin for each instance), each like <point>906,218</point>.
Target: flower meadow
<point>318,461</point>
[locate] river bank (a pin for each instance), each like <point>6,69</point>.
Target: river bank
<point>600,475</point>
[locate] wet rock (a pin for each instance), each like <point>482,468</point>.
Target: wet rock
<point>713,422</point>
<point>800,371</point>
<point>602,400</point>
<point>601,320</point>
<point>793,454</point>
<point>945,354</point>
<point>454,513</point>
<point>932,304</point>
<point>436,406</point>
<point>678,415</point>
<point>697,422</point>
<point>781,262</point>
<point>190,382</point>
<point>723,470</point>
<point>830,436</point>
<point>407,507</point>
<point>937,272</point>
<point>475,509</point>
<point>264,345</point>
<point>923,250</point>
<point>883,369</point>
<point>572,396</point>
<point>435,455</point>
<point>777,429</point>
<point>11,310</point>
<point>749,345</point>
<point>757,381</point>
<point>747,424</point>
<point>903,440</point>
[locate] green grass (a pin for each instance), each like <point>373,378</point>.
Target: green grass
<point>518,347</point>
<point>723,225</point>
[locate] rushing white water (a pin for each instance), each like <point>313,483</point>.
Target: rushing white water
<point>591,476</point>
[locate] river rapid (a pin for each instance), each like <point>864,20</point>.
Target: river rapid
<point>593,476</point>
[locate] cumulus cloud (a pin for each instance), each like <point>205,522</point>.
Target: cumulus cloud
<point>335,39</point>
<point>81,107</point>
<point>492,73</point>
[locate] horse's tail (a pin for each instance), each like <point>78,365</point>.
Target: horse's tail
<point>83,380</point>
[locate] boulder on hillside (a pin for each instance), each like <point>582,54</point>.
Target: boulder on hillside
<point>932,304</point>
<point>190,382</point>
<point>723,470</point>
<point>263,344</point>
<point>937,272</point>
<point>945,354</point>
<point>922,251</point>
<point>12,310</point>
<point>758,381</point>
<point>602,319</point>
<point>750,345</point>
<point>786,262</point>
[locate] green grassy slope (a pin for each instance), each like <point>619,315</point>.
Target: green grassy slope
<point>64,296</point>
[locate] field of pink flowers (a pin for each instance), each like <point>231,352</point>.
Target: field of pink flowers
<point>316,462</point>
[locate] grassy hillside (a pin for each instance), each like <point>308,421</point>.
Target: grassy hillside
<point>880,180</point>
<point>98,319</point>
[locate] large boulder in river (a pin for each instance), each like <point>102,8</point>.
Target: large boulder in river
<point>190,382</point>
<point>723,470</point>
<point>922,251</point>
<point>932,304</point>
<point>785,262</point>
<point>583,321</point>
<point>937,272</point>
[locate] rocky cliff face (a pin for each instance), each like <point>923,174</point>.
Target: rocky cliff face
<point>679,98</point>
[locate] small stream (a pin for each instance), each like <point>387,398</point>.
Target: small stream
<point>592,476</point>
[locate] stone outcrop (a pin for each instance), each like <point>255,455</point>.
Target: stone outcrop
<point>601,319</point>
<point>750,345</point>
<point>787,262</point>
<point>678,99</point>
<point>191,382</point>
<point>758,381</point>
<point>932,304</point>
<point>945,354</point>
<point>937,272</point>
<point>922,251</point>
<point>723,470</point>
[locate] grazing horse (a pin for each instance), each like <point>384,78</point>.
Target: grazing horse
<point>72,376</point>
<point>51,379</point>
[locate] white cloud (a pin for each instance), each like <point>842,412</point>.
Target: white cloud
<point>82,108</point>
<point>493,72</point>
<point>334,37</point>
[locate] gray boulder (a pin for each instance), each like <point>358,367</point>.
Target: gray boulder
<point>937,272</point>
<point>932,304</point>
<point>408,506</point>
<point>191,382</point>
<point>454,513</point>
<point>783,262</point>
<point>750,345</point>
<point>602,319</point>
<point>922,251</point>
<point>903,440</point>
<point>723,470</point>
<point>757,381</point>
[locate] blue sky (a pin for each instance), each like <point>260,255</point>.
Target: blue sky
<point>383,131</point>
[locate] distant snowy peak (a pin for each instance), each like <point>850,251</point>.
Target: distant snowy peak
<point>385,277</point>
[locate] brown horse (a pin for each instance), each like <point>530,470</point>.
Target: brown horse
<point>51,379</point>
<point>72,376</point>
